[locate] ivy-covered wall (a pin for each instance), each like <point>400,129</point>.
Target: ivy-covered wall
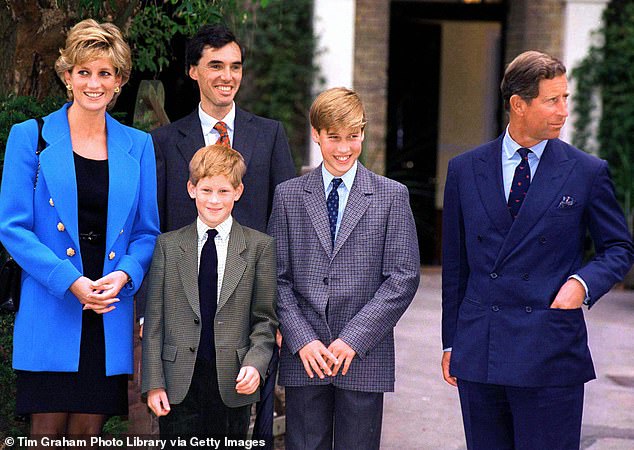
<point>605,76</point>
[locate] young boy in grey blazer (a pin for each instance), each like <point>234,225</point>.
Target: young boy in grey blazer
<point>348,268</point>
<point>210,318</point>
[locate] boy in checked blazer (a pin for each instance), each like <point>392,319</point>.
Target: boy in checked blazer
<point>210,319</point>
<point>348,267</point>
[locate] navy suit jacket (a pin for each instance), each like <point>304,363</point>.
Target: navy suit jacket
<point>500,276</point>
<point>356,291</point>
<point>261,142</point>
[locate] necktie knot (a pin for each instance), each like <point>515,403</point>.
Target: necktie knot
<point>524,153</point>
<point>221,128</point>
<point>211,233</point>
<point>336,182</point>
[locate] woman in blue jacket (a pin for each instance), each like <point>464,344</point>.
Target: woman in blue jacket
<point>81,220</point>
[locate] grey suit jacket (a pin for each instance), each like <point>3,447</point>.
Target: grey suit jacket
<point>245,322</point>
<point>356,291</point>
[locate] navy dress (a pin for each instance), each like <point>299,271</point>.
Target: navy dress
<point>88,391</point>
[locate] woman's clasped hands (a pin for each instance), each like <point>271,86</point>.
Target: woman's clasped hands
<point>99,295</point>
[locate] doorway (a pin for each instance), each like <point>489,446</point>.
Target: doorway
<point>445,63</point>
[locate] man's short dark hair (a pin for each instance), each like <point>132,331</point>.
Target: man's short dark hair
<point>214,36</point>
<point>523,74</point>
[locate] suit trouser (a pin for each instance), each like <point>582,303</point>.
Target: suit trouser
<point>263,427</point>
<point>317,414</point>
<point>516,418</point>
<point>202,412</point>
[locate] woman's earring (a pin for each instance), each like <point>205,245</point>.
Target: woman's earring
<point>69,87</point>
<point>117,90</point>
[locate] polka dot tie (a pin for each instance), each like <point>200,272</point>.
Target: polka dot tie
<point>221,128</point>
<point>521,183</point>
<point>332,204</point>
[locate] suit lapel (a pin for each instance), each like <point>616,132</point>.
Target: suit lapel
<point>244,134</point>
<point>315,203</point>
<point>192,136</point>
<point>121,189</point>
<point>235,265</point>
<point>488,178</point>
<point>57,168</point>
<point>359,200</point>
<point>188,266</point>
<point>552,172</point>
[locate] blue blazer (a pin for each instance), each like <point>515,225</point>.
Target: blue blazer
<point>48,325</point>
<point>500,276</point>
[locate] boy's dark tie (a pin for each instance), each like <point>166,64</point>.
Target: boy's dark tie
<point>207,294</point>
<point>332,204</point>
<point>521,183</point>
<point>221,128</point>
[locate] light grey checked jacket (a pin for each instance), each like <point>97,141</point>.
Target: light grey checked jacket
<point>356,291</point>
<point>245,322</point>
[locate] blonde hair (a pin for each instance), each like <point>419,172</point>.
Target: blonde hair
<point>337,108</point>
<point>89,40</point>
<point>216,160</point>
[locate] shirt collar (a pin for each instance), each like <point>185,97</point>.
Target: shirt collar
<point>509,146</point>
<point>348,177</point>
<point>208,122</point>
<point>223,229</point>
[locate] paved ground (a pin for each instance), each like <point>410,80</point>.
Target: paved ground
<point>424,412</point>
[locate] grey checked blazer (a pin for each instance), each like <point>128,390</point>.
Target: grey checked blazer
<point>356,291</point>
<point>245,322</point>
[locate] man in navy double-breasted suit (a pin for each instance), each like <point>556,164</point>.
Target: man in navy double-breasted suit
<point>516,214</point>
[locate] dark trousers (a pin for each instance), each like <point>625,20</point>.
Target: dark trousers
<point>513,418</point>
<point>326,417</point>
<point>263,427</point>
<point>202,413</point>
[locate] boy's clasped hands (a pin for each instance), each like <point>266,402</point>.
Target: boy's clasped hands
<point>315,353</point>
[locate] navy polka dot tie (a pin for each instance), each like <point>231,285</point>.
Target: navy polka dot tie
<point>332,204</point>
<point>521,183</point>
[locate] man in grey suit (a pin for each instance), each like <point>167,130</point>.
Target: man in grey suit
<point>348,267</point>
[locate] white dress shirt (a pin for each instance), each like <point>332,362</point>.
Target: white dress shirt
<point>222,243</point>
<point>207,124</point>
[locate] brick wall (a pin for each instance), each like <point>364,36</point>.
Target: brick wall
<point>534,25</point>
<point>370,75</point>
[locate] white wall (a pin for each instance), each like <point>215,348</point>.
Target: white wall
<point>333,22</point>
<point>581,18</point>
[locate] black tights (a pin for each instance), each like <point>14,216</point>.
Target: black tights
<point>57,425</point>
